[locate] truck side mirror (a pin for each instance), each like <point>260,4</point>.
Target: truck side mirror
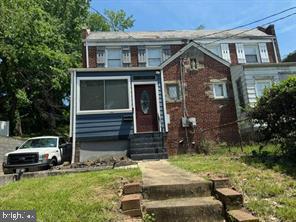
<point>17,148</point>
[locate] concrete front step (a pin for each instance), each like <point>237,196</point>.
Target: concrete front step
<point>178,190</point>
<point>197,209</point>
<point>146,150</point>
<point>241,216</point>
<point>145,144</point>
<point>147,156</point>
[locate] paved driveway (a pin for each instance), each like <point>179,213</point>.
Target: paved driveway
<point>7,144</point>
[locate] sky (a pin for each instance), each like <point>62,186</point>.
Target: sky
<point>156,15</point>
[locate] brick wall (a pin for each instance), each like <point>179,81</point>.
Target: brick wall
<point>233,56</point>
<point>134,56</point>
<point>92,52</point>
<point>200,104</point>
<point>271,53</point>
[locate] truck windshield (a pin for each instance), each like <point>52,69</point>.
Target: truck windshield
<point>40,143</point>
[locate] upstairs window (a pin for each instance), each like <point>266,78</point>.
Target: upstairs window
<point>219,90</point>
<point>261,85</point>
<point>114,57</point>
<point>216,49</point>
<point>251,53</point>
<point>166,53</point>
<point>154,56</point>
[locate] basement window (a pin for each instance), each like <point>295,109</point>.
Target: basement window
<point>219,90</point>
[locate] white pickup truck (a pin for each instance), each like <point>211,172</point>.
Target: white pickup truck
<point>35,154</point>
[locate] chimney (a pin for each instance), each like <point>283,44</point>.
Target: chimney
<point>269,30</point>
<point>84,33</point>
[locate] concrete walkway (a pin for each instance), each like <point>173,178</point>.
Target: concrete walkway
<point>163,173</point>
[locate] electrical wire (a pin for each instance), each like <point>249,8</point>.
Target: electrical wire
<point>248,30</point>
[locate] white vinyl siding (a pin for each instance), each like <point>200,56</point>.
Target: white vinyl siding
<point>263,53</point>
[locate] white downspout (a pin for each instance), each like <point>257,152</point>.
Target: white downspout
<point>74,116</point>
<point>164,102</point>
<point>86,54</point>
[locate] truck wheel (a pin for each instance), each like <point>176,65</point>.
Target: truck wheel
<point>53,162</point>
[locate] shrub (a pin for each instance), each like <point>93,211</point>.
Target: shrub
<point>275,114</point>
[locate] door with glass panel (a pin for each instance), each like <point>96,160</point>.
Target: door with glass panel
<point>145,108</point>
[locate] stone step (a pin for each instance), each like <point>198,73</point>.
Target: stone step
<point>146,150</point>
<point>241,216</point>
<point>178,190</point>
<point>197,209</point>
<point>145,144</point>
<point>230,198</point>
<point>149,156</point>
<point>142,135</point>
<point>220,183</point>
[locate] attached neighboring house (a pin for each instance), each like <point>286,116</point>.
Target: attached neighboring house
<point>150,94</point>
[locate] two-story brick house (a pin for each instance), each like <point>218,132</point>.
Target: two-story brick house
<point>149,94</point>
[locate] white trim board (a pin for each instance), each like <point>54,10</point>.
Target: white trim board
<point>134,102</point>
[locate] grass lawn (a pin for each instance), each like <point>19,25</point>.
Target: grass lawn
<point>267,182</point>
<point>73,197</point>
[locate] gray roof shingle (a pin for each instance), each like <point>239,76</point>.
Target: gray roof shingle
<point>173,35</point>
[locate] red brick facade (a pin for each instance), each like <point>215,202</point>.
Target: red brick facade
<point>209,113</point>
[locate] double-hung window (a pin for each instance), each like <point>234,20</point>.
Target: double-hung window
<point>154,55</point>
<point>219,90</point>
<point>251,53</point>
<point>99,95</point>
<point>114,57</point>
<point>261,85</point>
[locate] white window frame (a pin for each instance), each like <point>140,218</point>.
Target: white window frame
<point>261,80</point>
<point>79,112</point>
<point>257,52</point>
<point>106,56</point>
<point>224,90</point>
<point>147,59</point>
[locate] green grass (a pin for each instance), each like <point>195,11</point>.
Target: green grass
<point>72,197</point>
<point>266,180</point>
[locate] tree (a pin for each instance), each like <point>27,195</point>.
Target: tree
<point>200,27</point>
<point>275,113</point>
<point>110,21</point>
<point>39,42</point>
<point>291,57</point>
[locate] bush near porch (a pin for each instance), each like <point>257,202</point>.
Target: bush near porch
<point>266,179</point>
<point>71,197</point>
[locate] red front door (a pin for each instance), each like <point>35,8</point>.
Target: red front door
<point>146,111</point>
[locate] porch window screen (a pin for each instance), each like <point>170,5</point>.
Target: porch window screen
<point>154,56</point>
<point>103,94</point>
